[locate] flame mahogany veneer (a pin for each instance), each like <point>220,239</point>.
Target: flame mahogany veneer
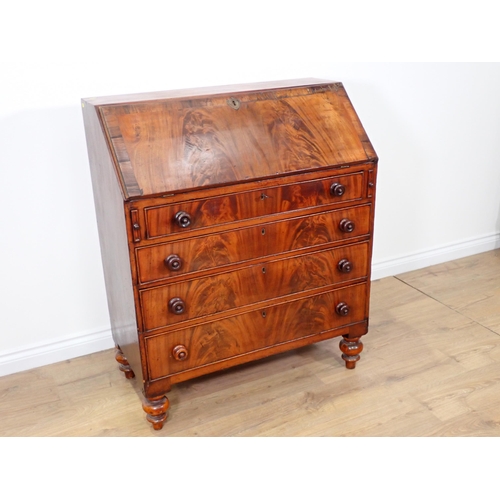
<point>235,223</point>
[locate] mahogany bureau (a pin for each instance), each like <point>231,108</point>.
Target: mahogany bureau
<point>235,223</point>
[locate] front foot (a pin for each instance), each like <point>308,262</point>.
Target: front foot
<point>156,411</point>
<point>350,350</point>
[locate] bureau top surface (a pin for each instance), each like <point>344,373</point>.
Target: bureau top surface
<point>176,141</point>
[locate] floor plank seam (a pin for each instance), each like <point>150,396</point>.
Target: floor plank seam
<point>447,306</point>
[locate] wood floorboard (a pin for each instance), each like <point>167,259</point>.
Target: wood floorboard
<point>430,367</point>
<point>470,286</point>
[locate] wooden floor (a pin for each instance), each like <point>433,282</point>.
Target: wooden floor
<point>430,367</point>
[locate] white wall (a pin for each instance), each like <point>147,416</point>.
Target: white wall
<point>435,127</point>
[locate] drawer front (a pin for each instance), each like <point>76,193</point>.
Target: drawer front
<point>165,220</point>
<point>208,252</point>
<point>205,344</point>
<point>178,302</point>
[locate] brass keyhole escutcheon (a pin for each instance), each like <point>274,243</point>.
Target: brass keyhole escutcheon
<point>232,102</point>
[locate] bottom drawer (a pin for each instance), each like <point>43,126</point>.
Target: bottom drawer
<point>209,343</point>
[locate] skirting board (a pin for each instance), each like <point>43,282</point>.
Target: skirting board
<point>437,255</point>
<point>55,350</point>
<point>73,346</point>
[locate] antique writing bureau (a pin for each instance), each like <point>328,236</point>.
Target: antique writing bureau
<point>235,223</point>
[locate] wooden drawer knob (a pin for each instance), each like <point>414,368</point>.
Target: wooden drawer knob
<point>344,266</point>
<point>337,189</point>
<point>173,262</point>
<point>342,309</point>
<point>180,352</point>
<point>176,305</point>
<point>182,219</point>
<point>347,226</point>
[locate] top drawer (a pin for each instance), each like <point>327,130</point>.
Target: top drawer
<point>181,217</point>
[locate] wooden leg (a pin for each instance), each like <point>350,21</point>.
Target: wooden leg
<point>156,411</point>
<point>123,363</point>
<point>350,350</point>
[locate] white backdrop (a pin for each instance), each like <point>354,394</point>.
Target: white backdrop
<point>435,127</point>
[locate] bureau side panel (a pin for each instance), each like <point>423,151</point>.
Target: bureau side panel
<point>110,214</point>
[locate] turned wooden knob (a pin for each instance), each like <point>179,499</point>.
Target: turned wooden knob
<point>180,352</point>
<point>346,226</point>
<point>182,219</point>
<point>344,266</point>
<point>342,309</point>
<point>337,189</point>
<point>173,262</point>
<point>176,305</point>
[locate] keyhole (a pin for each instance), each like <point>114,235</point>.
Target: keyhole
<point>233,103</point>
<point>263,231</point>
<point>264,270</point>
<point>263,314</point>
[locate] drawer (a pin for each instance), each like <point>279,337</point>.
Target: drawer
<point>219,210</point>
<point>195,298</point>
<point>208,252</point>
<point>209,343</point>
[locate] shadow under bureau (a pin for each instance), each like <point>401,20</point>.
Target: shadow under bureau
<point>235,223</point>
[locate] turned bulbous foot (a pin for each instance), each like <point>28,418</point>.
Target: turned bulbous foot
<point>123,363</point>
<point>351,349</point>
<point>156,411</point>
